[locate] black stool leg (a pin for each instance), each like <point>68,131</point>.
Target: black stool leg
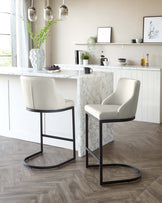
<point>86,140</point>
<point>41,132</point>
<point>100,159</point>
<point>27,159</point>
<point>73,129</point>
<point>100,151</point>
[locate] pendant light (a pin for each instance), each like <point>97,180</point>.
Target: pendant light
<point>48,14</point>
<point>32,16</point>
<point>63,11</point>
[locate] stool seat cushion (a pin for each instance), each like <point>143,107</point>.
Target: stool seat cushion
<point>122,104</point>
<point>69,103</point>
<point>103,112</point>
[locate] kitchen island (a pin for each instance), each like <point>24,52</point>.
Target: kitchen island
<point>149,107</point>
<point>73,84</point>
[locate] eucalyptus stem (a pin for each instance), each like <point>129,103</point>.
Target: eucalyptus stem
<point>38,39</point>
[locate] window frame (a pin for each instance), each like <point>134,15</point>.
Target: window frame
<point>13,54</point>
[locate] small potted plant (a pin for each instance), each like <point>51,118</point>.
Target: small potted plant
<point>85,59</point>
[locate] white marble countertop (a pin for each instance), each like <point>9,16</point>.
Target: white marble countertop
<point>104,68</point>
<point>73,74</point>
<point>70,70</point>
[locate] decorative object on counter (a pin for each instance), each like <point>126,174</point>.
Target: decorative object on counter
<point>80,54</point>
<point>122,61</point>
<point>63,11</point>
<point>104,35</point>
<point>102,58</point>
<point>147,60</point>
<point>85,59</point>
<point>143,61</point>
<point>88,70</point>
<point>53,69</point>
<point>76,56</point>
<point>48,13</point>
<point>37,55</point>
<point>106,62</point>
<point>152,29</point>
<point>32,15</point>
<point>92,40</point>
<point>138,41</point>
<point>133,40</point>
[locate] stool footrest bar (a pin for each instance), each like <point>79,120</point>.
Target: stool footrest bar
<point>127,180</point>
<point>59,138</point>
<point>91,153</point>
<point>43,167</point>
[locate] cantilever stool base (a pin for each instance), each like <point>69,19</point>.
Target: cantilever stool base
<point>35,155</point>
<point>100,159</point>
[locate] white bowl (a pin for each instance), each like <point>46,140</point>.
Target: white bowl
<point>122,63</point>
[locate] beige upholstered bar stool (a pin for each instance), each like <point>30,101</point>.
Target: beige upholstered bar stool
<point>40,96</point>
<point>120,106</point>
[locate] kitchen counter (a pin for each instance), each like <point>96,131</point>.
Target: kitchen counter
<point>104,68</point>
<point>72,84</point>
<point>150,98</point>
<point>71,70</point>
<point>64,73</point>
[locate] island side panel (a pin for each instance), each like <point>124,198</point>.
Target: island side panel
<point>92,89</point>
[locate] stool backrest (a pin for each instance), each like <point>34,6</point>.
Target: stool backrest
<point>126,96</point>
<point>40,93</point>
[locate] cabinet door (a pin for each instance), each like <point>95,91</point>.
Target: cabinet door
<point>151,96</point>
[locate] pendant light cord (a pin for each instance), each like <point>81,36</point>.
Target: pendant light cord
<point>32,3</point>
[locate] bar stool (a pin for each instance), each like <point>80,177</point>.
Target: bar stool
<point>40,96</point>
<point>120,106</point>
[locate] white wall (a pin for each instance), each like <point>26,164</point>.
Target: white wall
<point>125,17</point>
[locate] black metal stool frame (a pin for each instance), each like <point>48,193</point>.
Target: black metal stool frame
<point>50,136</point>
<point>100,159</point>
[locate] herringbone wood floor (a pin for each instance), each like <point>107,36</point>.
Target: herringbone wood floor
<point>136,143</point>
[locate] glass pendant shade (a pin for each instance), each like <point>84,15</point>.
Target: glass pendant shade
<point>32,15</point>
<point>48,14</point>
<point>63,11</point>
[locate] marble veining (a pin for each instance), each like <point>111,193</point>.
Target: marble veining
<point>92,89</point>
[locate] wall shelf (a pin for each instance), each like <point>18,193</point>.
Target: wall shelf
<point>122,44</point>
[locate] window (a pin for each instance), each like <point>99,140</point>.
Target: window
<point>7,33</point>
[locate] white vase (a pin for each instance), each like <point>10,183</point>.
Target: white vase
<point>37,58</point>
<point>85,62</point>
